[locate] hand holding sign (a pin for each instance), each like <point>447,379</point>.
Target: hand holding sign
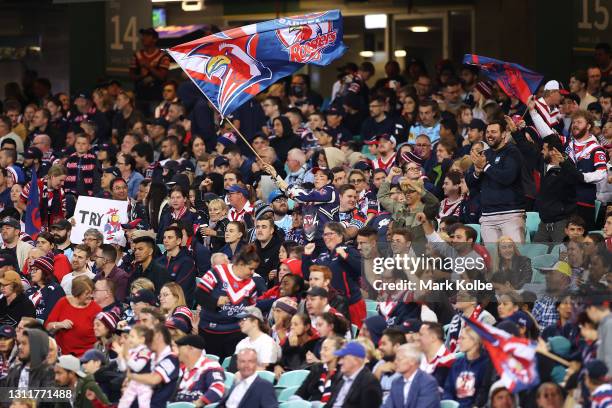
<point>104,215</point>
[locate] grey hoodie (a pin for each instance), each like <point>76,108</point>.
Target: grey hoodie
<point>41,374</point>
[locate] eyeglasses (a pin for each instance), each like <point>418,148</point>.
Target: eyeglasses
<point>413,169</point>
<point>359,180</point>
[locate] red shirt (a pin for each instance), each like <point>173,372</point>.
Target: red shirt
<point>81,337</point>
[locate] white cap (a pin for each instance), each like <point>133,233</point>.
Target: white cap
<point>554,85</point>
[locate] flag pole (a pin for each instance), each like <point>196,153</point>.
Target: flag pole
<point>241,136</point>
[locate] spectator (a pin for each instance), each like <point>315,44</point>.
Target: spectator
<point>135,356</point>
<point>68,374</point>
<point>428,123</point>
<point>71,320</point>
<point>422,387</point>
<point>252,324</point>
<point>385,369</point>
<point>558,280</point>
<point>145,265</point>
<point>31,370</point>
<point>45,291</point>
<point>178,262</point>
<point>437,360</point>
<point>323,376</point>
<point>513,269</point>
<point>358,386</point>
<point>598,311</point>
<point>10,230</point>
<point>80,257</point>
<point>496,175</point>
<point>8,350</point>
<point>250,389</point>
<point>302,338</point>
<point>105,260</point>
<point>14,303</point>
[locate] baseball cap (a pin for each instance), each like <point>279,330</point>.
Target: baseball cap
<point>317,291</point>
<point>11,222</point>
<point>82,94</point>
<point>235,188</point>
<point>478,124</point>
<point>372,141</point>
<point>62,224</point>
<point>187,166</point>
<point>388,137</point>
<point>93,355</point>
<point>561,266</point>
<point>144,295</point>
<point>172,165</point>
<point>362,165</point>
<point>522,319</point>
<point>334,111</point>
<point>554,85</point>
<point>7,259</point>
<point>33,153</point>
<point>274,195</point>
<point>160,122</point>
<point>149,31</point>
<point>251,311</point>
<point>260,208</point>
<point>221,161</point>
<point>7,332</point>
<point>411,326</point>
<point>178,324</point>
<point>352,348</point>
<point>70,363</point>
<point>596,369</point>
<point>286,304</point>
<point>113,170</point>
<point>208,197</point>
<point>192,340</point>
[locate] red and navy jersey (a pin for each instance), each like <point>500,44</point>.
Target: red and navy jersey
<point>166,365</point>
<point>221,281</point>
<point>352,218</point>
<point>319,207</point>
<point>385,164</point>
<point>368,203</point>
<point>204,381</point>
<point>590,160</point>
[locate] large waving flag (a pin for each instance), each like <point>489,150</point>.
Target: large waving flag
<point>514,79</point>
<point>33,222</point>
<point>512,357</point>
<point>233,66</point>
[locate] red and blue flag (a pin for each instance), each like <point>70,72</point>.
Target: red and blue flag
<point>514,79</point>
<point>514,358</point>
<point>233,66</point>
<point>33,222</point>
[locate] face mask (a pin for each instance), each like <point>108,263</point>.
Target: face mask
<point>297,90</point>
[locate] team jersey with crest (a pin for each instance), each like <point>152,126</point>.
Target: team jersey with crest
<point>204,381</point>
<point>590,159</point>
<point>319,207</point>
<point>221,281</point>
<point>385,164</point>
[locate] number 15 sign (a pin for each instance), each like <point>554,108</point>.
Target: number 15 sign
<point>123,20</point>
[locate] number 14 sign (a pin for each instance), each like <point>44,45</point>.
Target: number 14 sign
<point>123,20</point>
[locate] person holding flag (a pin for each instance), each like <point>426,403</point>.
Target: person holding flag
<point>51,206</point>
<point>544,111</point>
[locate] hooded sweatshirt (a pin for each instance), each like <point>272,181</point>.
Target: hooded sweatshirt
<point>40,373</point>
<point>468,381</point>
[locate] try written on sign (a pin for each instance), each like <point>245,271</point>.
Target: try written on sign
<point>104,215</point>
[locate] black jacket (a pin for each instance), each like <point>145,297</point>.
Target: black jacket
<point>268,256</point>
<point>556,200</point>
<point>501,183</point>
<point>182,270</point>
<point>155,272</point>
<point>20,307</point>
<point>309,390</point>
<point>364,393</point>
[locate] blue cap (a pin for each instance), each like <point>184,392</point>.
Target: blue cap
<point>522,319</point>
<point>274,195</point>
<point>93,354</point>
<point>235,188</point>
<point>221,161</point>
<point>352,348</point>
<point>7,331</point>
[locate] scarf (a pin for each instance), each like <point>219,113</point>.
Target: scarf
<point>325,383</point>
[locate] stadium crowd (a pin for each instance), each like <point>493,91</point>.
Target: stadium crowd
<point>249,280</point>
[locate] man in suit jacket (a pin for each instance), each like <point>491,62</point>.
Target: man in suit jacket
<point>249,391</point>
<point>358,387</point>
<point>415,388</point>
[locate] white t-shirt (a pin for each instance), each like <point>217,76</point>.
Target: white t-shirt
<point>68,278</point>
<point>268,352</point>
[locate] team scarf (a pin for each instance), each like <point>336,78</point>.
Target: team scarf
<point>325,383</point>
<point>178,214</point>
<point>455,327</point>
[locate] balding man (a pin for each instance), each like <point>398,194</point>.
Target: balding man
<point>415,388</point>
<point>43,143</point>
<point>249,390</point>
<point>295,163</point>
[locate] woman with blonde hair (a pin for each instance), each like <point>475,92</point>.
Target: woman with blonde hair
<point>140,284</point>
<point>373,355</point>
<point>513,269</point>
<point>173,305</point>
<point>214,233</point>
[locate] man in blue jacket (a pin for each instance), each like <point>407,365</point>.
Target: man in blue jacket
<point>496,174</point>
<point>415,388</point>
<point>179,263</point>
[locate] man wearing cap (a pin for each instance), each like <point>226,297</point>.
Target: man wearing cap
<point>105,373</point>
<point>108,175</point>
<point>202,382</point>
<point>317,303</point>
<point>278,202</point>
<point>32,370</point>
<point>68,374</point>
<point>61,232</point>
<point>240,207</point>
<point>149,69</point>
<point>598,383</point>
<point>385,151</point>
<point>10,230</point>
<point>32,161</point>
<point>544,111</point>
<point>268,351</point>
<point>558,281</point>
<point>358,387</point>
<point>8,345</point>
